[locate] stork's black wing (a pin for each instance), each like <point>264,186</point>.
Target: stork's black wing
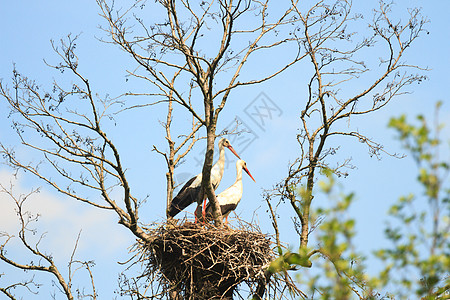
<point>184,198</point>
<point>227,208</point>
<point>224,209</point>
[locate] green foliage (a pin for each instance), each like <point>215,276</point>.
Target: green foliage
<point>418,260</point>
<point>289,260</point>
<point>416,264</point>
<point>335,269</point>
<point>340,266</point>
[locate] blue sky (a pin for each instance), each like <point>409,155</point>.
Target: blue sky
<point>26,30</point>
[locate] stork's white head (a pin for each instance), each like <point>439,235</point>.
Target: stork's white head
<point>243,165</point>
<point>226,143</point>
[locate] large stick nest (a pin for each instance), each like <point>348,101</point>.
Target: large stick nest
<point>199,261</point>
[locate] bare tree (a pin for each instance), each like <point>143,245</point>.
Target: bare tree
<point>176,48</point>
<point>67,125</point>
<point>339,65</point>
<point>192,56</point>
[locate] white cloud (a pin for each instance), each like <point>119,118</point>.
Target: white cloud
<point>62,218</point>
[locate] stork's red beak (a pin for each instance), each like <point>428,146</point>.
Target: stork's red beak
<point>234,152</point>
<point>248,172</point>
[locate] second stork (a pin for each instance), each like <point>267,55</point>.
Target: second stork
<point>191,191</point>
<point>230,198</point>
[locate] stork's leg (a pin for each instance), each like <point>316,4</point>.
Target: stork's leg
<point>204,210</point>
<point>197,210</point>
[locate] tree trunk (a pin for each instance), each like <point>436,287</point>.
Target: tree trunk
<point>207,189</point>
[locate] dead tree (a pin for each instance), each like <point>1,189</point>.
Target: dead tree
<point>173,59</point>
<point>194,56</point>
<point>344,84</point>
<point>67,125</point>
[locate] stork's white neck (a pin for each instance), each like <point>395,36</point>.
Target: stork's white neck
<point>217,169</point>
<point>221,154</point>
<point>239,173</point>
<point>221,161</point>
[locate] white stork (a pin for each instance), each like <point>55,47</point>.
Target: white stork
<point>190,192</point>
<point>230,198</point>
